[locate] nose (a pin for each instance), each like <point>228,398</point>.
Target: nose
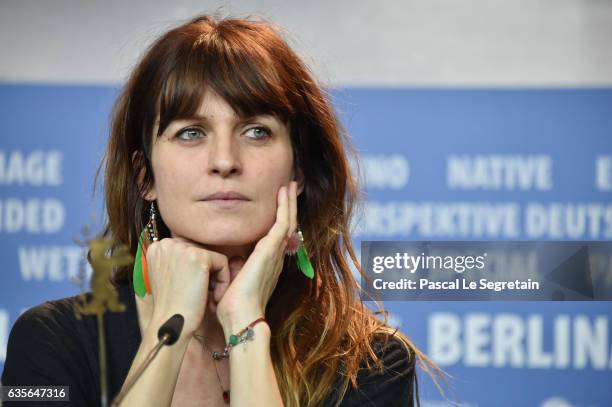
<point>224,156</point>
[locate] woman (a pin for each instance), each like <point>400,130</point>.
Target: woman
<point>222,149</point>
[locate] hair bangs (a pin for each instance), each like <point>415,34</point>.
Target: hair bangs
<point>242,73</point>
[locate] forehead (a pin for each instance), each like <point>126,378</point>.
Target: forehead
<point>214,106</point>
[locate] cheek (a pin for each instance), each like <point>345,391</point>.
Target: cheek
<point>277,167</point>
<point>265,210</point>
<point>170,176</point>
<point>274,180</point>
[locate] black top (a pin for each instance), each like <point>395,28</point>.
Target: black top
<point>48,345</point>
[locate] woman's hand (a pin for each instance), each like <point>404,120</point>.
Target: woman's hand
<point>180,272</point>
<point>247,296</point>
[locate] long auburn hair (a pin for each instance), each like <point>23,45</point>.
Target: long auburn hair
<point>320,327</point>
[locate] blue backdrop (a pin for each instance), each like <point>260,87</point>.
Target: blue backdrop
<point>438,164</point>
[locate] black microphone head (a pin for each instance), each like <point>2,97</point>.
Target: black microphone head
<point>172,328</point>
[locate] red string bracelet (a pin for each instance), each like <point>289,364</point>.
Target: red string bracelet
<point>244,335</point>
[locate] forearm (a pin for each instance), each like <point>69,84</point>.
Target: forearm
<point>155,387</point>
<point>253,381</point>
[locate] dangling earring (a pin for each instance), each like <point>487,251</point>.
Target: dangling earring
<point>149,234</point>
<point>295,245</point>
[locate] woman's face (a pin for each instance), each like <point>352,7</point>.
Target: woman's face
<point>218,152</point>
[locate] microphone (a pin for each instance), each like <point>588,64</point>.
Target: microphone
<point>172,329</point>
<point>168,334</point>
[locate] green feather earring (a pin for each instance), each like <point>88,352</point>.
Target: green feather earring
<point>140,277</point>
<point>303,261</point>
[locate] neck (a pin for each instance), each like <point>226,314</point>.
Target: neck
<point>230,251</point>
<point>211,329</point>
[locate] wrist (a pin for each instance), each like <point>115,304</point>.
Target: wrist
<point>151,334</point>
<point>232,325</point>
<point>239,315</point>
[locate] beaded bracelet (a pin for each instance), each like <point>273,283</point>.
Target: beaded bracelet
<point>246,334</point>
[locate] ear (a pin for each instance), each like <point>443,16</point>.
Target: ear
<point>139,165</point>
<point>298,175</point>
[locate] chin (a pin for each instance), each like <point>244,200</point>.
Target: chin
<point>227,241</point>
<point>225,238</point>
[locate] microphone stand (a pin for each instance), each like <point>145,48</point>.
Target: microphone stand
<point>128,385</point>
<point>168,334</point>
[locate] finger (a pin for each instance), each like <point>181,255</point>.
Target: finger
<point>220,275</point>
<point>152,259</point>
<point>218,268</point>
<point>292,208</point>
<point>281,226</point>
<point>235,265</point>
<point>218,261</point>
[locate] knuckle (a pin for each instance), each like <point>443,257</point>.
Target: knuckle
<point>153,247</point>
<point>192,253</point>
<point>152,251</point>
<point>166,243</point>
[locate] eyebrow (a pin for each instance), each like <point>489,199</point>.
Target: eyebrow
<point>240,119</point>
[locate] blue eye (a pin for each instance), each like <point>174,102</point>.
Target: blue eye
<point>189,134</point>
<point>259,132</point>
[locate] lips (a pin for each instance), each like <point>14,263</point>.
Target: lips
<point>226,196</point>
<point>226,200</point>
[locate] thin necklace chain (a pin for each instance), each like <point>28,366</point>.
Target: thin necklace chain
<point>201,340</point>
